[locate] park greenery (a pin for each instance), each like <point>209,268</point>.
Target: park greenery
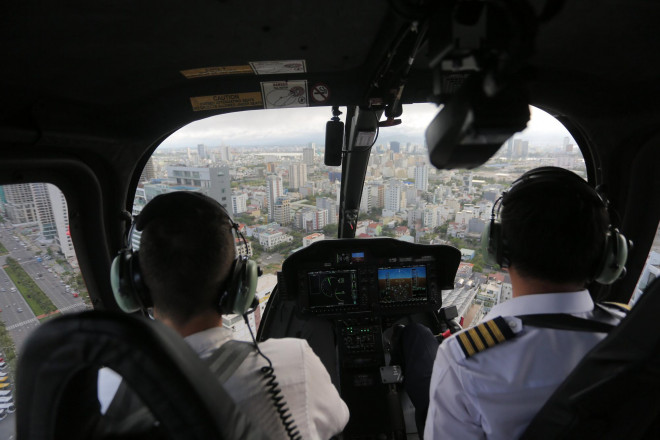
<point>34,296</point>
<point>7,347</point>
<point>3,250</point>
<point>331,230</point>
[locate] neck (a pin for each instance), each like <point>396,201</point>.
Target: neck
<point>198,323</point>
<point>523,285</point>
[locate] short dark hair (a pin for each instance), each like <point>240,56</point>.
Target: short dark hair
<point>186,253</point>
<point>555,232</point>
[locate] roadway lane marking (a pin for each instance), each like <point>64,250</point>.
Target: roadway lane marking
<point>21,324</point>
<point>72,306</point>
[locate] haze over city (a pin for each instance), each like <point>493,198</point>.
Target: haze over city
<point>298,126</point>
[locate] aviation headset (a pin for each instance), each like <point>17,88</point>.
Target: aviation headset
<point>615,253</point>
<point>131,293</point>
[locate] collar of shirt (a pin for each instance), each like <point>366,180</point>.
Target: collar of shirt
<point>565,302</point>
<point>207,341</point>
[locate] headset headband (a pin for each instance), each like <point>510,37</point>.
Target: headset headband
<point>553,176</point>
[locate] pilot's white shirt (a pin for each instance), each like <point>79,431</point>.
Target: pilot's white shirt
<point>314,403</point>
<point>495,393</point>
<point>316,407</point>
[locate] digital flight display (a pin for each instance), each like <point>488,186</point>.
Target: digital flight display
<point>402,284</point>
<point>333,288</point>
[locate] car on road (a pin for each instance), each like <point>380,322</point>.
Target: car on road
<point>8,407</point>
<point>75,295</point>
<point>19,310</point>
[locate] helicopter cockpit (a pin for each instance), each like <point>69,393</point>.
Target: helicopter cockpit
<point>92,90</point>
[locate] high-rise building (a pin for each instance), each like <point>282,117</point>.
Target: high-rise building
<point>61,217</point>
<point>509,148</point>
<point>467,182</point>
<point>365,201</point>
<point>275,190</point>
<point>45,217</point>
<point>239,203</point>
<point>378,194</point>
<point>225,153</point>
<point>297,175</point>
<point>422,177</point>
<point>308,156</point>
<point>282,211</point>
<point>525,149</point>
<point>395,147</point>
<point>311,219</point>
<point>331,206</point>
<point>20,207</point>
<point>202,152</point>
<point>214,182</point>
<point>393,195</point>
<point>44,205</point>
<point>517,148</point>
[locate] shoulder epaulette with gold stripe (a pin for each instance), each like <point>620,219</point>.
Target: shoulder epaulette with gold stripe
<point>485,335</point>
<point>617,305</point>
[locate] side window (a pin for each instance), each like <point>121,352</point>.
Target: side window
<point>651,269</point>
<point>39,277</point>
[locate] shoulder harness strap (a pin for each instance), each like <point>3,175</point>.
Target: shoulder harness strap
<point>484,335</point>
<point>225,360</point>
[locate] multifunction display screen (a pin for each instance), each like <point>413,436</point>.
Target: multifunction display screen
<point>333,288</point>
<point>402,284</point>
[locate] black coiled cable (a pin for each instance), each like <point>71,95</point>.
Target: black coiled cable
<point>273,388</point>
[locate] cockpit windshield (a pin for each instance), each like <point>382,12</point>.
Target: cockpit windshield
<point>267,168</point>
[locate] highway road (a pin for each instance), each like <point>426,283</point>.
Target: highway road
<point>16,314</point>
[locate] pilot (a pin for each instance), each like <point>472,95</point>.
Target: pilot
<point>554,238</point>
<point>186,258</point>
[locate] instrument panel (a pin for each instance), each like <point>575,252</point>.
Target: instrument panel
<point>334,277</point>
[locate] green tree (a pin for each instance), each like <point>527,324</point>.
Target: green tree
<point>387,232</point>
<point>331,230</point>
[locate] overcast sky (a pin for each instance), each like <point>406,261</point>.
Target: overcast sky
<point>298,126</point>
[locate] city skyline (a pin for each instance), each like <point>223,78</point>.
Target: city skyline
<point>300,126</point>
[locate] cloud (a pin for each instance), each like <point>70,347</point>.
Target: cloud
<point>298,126</point>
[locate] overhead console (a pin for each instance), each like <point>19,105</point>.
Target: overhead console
<point>335,277</point>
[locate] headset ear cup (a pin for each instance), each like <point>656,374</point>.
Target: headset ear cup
<point>614,259</point>
<point>248,288</point>
<point>492,236</point>
<point>124,295</point>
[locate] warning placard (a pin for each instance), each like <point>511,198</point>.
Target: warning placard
<point>284,94</point>
<point>217,71</point>
<point>230,100</point>
<point>278,67</point>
